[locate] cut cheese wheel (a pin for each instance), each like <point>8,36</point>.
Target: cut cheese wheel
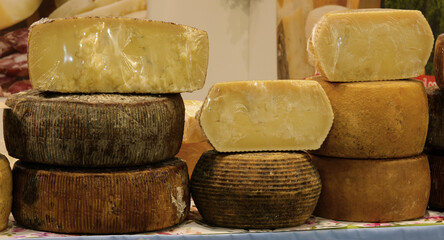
<point>435,134</point>
<point>266,115</point>
<point>191,152</point>
<point>115,9</point>
<point>192,132</point>
<point>12,12</point>
<point>93,130</point>
<point>438,61</point>
<point>286,8</point>
<point>372,44</point>
<point>101,201</point>
<point>5,192</point>
<point>373,190</point>
<point>255,190</point>
<point>436,162</point>
<point>385,119</point>
<point>315,15</point>
<point>122,55</point>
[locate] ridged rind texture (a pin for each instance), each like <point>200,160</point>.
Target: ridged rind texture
<point>373,190</point>
<point>435,134</point>
<point>5,192</point>
<point>93,130</point>
<point>255,190</point>
<point>383,119</point>
<point>101,201</point>
<point>438,61</point>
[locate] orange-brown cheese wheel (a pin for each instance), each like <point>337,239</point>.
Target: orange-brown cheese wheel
<point>5,192</point>
<point>435,134</point>
<point>436,162</point>
<point>373,190</point>
<point>255,190</point>
<point>438,61</point>
<point>382,119</point>
<point>93,130</point>
<point>100,201</point>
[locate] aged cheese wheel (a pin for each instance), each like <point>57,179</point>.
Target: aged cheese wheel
<point>373,190</point>
<point>101,201</point>
<point>383,119</point>
<point>93,130</point>
<point>192,132</point>
<point>438,61</point>
<point>5,191</point>
<point>255,190</point>
<point>371,44</point>
<point>435,134</point>
<point>191,152</point>
<point>436,161</point>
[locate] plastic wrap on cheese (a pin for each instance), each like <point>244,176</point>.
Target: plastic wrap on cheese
<point>120,55</point>
<point>371,44</point>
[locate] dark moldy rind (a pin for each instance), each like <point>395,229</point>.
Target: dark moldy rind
<point>93,130</point>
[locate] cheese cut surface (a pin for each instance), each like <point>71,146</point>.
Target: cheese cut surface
<point>255,190</point>
<point>121,55</point>
<point>101,201</point>
<point>93,130</point>
<point>372,44</point>
<point>435,134</point>
<point>315,15</point>
<point>373,190</point>
<point>271,115</point>
<point>436,161</point>
<point>192,132</point>
<point>438,61</point>
<point>5,192</point>
<point>12,12</point>
<point>384,119</point>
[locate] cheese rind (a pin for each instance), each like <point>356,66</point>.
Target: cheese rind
<point>5,192</point>
<point>116,55</point>
<point>438,61</point>
<point>435,134</point>
<point>93,130</point>
<point>371,44</point>
<point>192,132</point>
<point>191,152</point>
<point>274,115</point>
<point>373,190</point>
<point>436,161</point>
<point>384,119</point>
<point>255,190</point>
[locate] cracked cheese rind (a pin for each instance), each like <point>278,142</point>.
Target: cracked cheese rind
<point>123,55</point>
<point>371,45</point>
<point>275,115</point>
<point>103,200</point>
<point>5,192</point>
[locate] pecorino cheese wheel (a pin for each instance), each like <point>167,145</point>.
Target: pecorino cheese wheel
<point>5,191</point>
<point>255,190</point>
<point>373,190</point>
<point>93,130</point>
<point>435,134</point>
<point>438,61</point>
<point>436,162</point>
<point>101,201</point>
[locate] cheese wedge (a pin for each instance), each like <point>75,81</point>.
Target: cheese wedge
<point>12,12</point>
<point>5,192</point>
<point>272,115</point>
<point>116,55</point>
<point>371,44</point>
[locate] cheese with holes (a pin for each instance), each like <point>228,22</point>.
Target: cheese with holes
<point>5,192</point>
<point>373,190</point>
<point>382,119</point>
<point>436,161</point>
<point>255,190</point>
<point>275,115</point>
<point>93,130</point>
<point>12,12</point>
<point>435,134</point>
<point>101,201</point>
<point>438,61</point>
<point>375,44</point>
<point>116,55</point>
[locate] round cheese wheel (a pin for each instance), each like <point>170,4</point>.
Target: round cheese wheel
<point>436,162</point>
<point>382,119</point>
<point>93,130</point>
<point>438,61</point>
<point>255,190</point>
<point>100,201</point>
<point>435,134</point>
<point>191,152</point>
<point>373,190</point>
<point>5,192</point>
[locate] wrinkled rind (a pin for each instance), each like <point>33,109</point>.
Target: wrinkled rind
<point>101,201</point>
<point>123,55</point>
<point>255,190</point>
<point>5,192</point>
<point>382,52</point>
<point>373,190</point>
<point>93,130</point>
<point>438,61</point>
<point>275,93</point>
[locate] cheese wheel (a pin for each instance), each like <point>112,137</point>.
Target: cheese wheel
<point>191,152</point>
<point>373,190</point>
<point>371,44</point>
<point>436,162</point>
<point>435,134</point>
<point>438,61</point>
<point>93,130</point>
<point>255,190</point>
<point>5,192</point>
<point>192,132</point>
<point>100,201</point>
<point>384,119</point>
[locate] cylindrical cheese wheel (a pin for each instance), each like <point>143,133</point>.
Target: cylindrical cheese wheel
<point>5,192</point>
<point>438,61</point>
<point>101,201</point>
<point>436,162</point>
<point>435,134</point>
<point>191,152</point>
<point>373,190</point>
<point>383,119</point>
<point>96,130</point>
<point>255,190</point>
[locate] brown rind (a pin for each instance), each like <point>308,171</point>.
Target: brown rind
<point>435,134</point>
<point>283,71</point>
<point>255,190</point>
<point>101,201</point>
<point>373,190</point>
<point>436,200</point>
<point>97,130</point>
<point>438,61</point>
<point>5,191</point>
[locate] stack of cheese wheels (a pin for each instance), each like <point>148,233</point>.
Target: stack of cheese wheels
<point>5,192</point>
<point>371,164</point>
<point>257,177</point>
<point>97,136</point>
<point>435,135</point>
